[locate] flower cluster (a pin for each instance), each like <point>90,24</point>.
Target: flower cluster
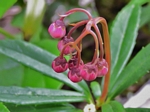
<point>78,70</point>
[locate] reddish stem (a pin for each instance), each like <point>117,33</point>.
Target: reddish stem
<point>88,27</point>
<point>108,59</point>
<point>95,57</point>
<point>75,27</point>
<point>78,40</point>
<point>77,10</point>
<point>100,41</point>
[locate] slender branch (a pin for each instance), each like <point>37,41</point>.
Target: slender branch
<point>108,59</point>
<point>6,34</point>
<point>76,10</point>
<point>100,40</point>
<point>86,32</point>
<point>78,40</point>
<point>96,55</point>
<point>75,27</point>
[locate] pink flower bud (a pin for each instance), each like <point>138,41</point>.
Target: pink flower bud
<point>63,42</point>
<point>74,75</point>
<point>59,64</point>
<point>89,72</point>
<point>72,63</point>
<point>102,68</point>
<point>57,29</point>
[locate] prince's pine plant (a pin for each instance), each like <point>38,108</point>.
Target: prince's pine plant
<point>109,62</point>
<point>98,67</point>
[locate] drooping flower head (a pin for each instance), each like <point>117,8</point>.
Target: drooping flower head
<point>67,45</point>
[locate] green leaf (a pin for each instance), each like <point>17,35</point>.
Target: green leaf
<point>137,110</point>
<point>113,106</point>
<point>4,6</point>
<point>18,19</point>
<point>138,2</point>
<point>33,78</point>
<point>11,72</point>
<point>145,18</point>
<point>43,108</point>
<point>38,59</point>
<point>23,76</point>
<point>3,108</point>
<point>48,44</point>
<point>64,109</point>
<point>96,89</point>
<point>52,83</point>
<point>123,37</point>
<point>26,96</point>
<point>107,108</point>
<point>137,67</point>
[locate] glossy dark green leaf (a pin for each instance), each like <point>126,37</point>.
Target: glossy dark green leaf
<point>145,18</point>
<point>25,96</point>
<point>113,106</point>
<point>137,67</point>
<point>23,76</point>
<point>138,2</point>
<point>33,78</point>
<point>48,44</point>
<point>38,59</point>
<point>4,6</point>
<point>43,108</point>
<point>123,37</point>
<point>11,72</point>
<point>3,108</point>
<point>64,109</point>
<point>137,110</point>
<point>96,89</point>
<point>107,108</point>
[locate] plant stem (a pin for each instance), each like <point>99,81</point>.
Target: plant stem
<point>100,41</point>
<point>96,55</point>
<point>75,27</point>
<point>76,10</point>
<point>6,34</point>
<point>108,59</point>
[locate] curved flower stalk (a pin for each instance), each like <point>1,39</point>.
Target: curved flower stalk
<point>99,66</point>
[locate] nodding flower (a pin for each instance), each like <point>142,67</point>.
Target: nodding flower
<point>68,45</point>
<point>63,42</point>
<point>60,64</point>
<point>57,29</point>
